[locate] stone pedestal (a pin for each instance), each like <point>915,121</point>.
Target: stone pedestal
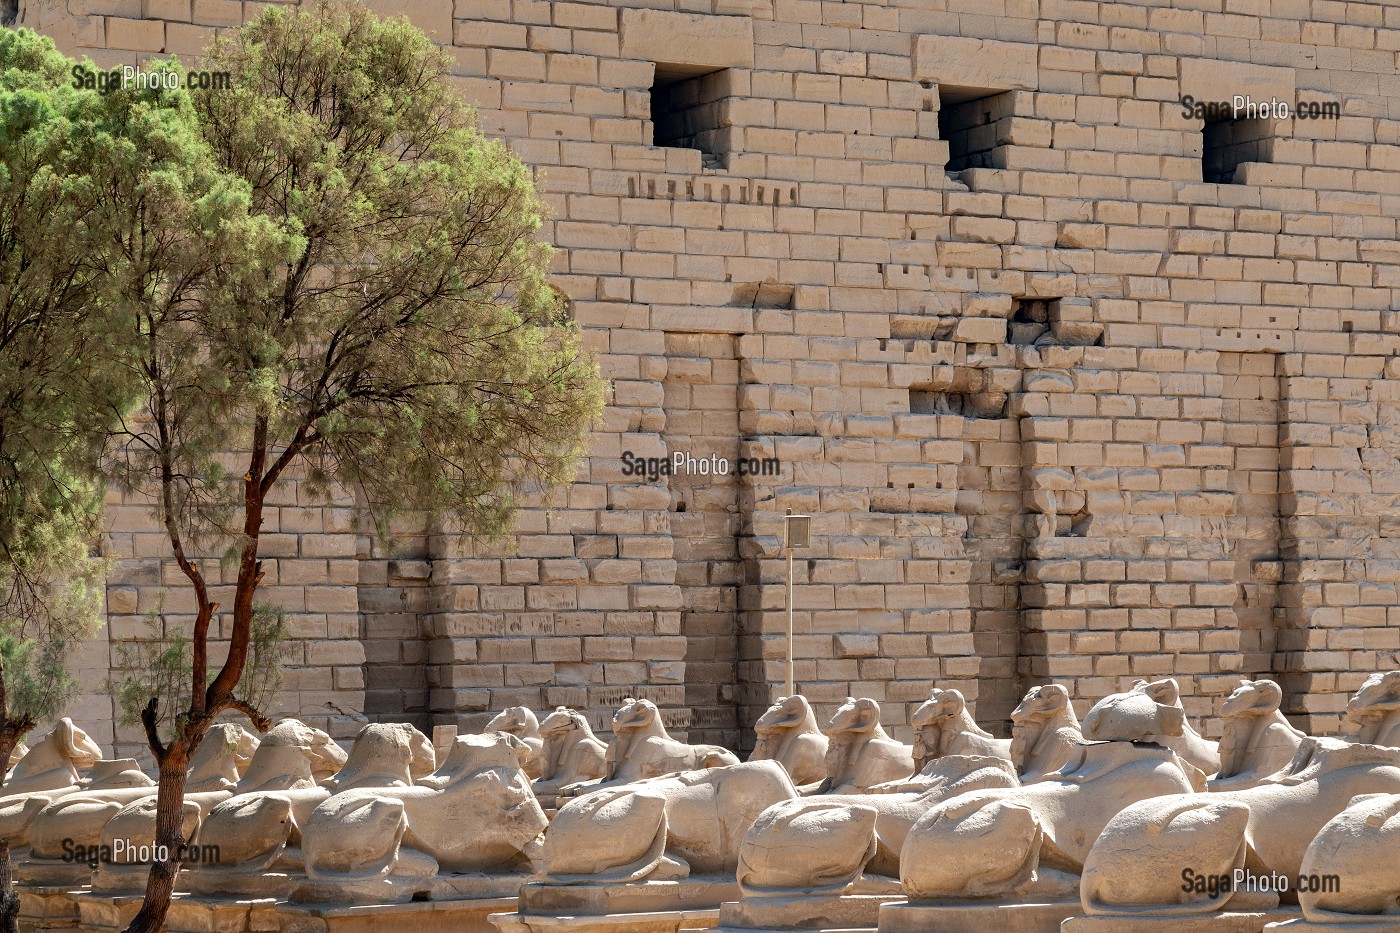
<point>1243,921</point>
<point>844,914</point>
<point>47,908</point>
<point>54,873</point>
<point>433,889</point>
<point>974,917</point>
<point>227,883</point>
<point>636,907</point>
<point>463,916</point>
<point>187,914</point>
<point>1298,925</point>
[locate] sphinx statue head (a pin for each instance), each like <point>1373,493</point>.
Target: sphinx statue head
<point>291,754</point>
<point>1044,732</point>
<point>1134,716</point>
<point>520,721</point>
<point>943,725</point>
<point>54,762</point>
<point>386,754</point>
<point>637,716</point>
<point>788,733</point>
<point>860,754</point>
<point>1374,710</point>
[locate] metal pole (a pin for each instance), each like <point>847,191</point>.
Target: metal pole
<point>790,689</point>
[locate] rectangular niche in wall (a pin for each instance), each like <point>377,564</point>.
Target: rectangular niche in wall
<point>1226,144</point>
<point>690,111</point>
<point>973,121</point>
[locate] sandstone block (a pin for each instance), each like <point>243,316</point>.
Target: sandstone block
<point>434,17</point>
<point>135,34</point>
<point>694,39</point>
<point>976,63</point>
<point>217,12</point>
<point>1212,80</point>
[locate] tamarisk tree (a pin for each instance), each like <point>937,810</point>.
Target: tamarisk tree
<point>73,168</point>
<point>384,328</point>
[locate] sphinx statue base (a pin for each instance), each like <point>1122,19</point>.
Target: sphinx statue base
<point>437,888</point>
<point>264,914</point>
<point>625,907</point>
<point>47,908</point>
<point>223,884</point>
<point>447,916</point>
<point>52,873</point>
<point>187,915</point>
<point>804,912</point>
<point>1374,924</point>
<point>976,917</point>
<point>1226,921</point>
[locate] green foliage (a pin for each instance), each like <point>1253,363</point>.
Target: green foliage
<point>268,651</point>
<point>61,383</point>
<point>157,664</point>
<point>407,347</point>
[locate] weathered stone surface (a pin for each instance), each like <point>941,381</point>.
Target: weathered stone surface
<point>976,63</point>
<point>703,41</point>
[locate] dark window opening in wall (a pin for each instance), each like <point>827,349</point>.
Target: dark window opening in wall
<point>974,122</point>
<point>691,111</point>
<point>1227,144</point>
<point>964,404</point>
<point>1031,319</point>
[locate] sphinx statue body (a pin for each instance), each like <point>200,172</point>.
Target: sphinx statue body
<point>1354,857</point>
<point>572,754</point>
<point>1272,822</point>
<point>1257,741</point>
<point>639,853</point>
<point>974,857</point>
<point>468,830</point>
<point>833,860</point>
<point>642,748</point>
<point>1033,839</point>
<point>54,763</point>
<point>259,827</point>
<point>54,768</point>
<point>860,754</point>
<point>89,818</point>
<point>788,733</point>
<point>662,828</point>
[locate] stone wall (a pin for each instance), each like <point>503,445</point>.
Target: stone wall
<point>1065,413</point>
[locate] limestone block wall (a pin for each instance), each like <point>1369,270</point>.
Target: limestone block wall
<point>1062,409</point>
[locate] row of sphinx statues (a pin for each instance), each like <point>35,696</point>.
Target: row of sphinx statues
<point>1105,815</point>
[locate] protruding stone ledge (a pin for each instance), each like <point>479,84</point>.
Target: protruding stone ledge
<point>702,320</point>
<point>694,39</point>
<point>1207,79</point>
<point>976,63</point>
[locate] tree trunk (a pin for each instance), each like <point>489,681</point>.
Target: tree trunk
<point>9,897</point>
<point>170,799</point>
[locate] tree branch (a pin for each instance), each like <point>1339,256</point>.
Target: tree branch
<point>260,722</point>
<point>150,719</point>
